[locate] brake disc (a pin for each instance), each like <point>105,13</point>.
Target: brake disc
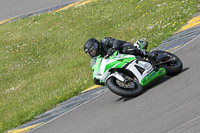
<point>128,84</point>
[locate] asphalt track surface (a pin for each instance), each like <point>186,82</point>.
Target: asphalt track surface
<point>172,106</point>
<point>13,8</point>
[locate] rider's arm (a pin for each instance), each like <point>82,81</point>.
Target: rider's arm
<point>117,44</point>
<point>112,43</point>
<point>107,42</point>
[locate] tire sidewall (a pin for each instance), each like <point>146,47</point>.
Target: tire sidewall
<point>123,92</point>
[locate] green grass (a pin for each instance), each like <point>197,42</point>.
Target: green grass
<point>42,61</point>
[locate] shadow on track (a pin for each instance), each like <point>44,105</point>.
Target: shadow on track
<point>158,82</point>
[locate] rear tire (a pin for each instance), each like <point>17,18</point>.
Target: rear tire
<point>174,67</point>
<point>111,84</point>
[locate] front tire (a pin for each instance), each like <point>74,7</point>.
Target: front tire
<point>115,88</point>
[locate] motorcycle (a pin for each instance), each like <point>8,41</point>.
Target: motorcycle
<point>127,75</point>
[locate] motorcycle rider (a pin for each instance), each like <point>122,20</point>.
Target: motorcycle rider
<point>108,45</point>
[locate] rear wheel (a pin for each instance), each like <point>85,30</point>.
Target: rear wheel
<point>129,89</point>
<point>173,67</point>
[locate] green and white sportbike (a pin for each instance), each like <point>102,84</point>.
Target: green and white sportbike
<point>127,75</point>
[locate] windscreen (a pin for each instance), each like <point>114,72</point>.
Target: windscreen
<point>93,61</point>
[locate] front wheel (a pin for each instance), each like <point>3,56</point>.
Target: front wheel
<point>131,89</point>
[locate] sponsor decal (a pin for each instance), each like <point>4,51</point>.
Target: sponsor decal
<point>151,75</point>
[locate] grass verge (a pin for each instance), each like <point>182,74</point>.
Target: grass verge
<point>42,61</point>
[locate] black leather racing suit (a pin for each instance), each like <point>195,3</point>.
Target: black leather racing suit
<point>109,45</point>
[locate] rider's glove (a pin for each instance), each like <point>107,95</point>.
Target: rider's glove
<point>110,52</point>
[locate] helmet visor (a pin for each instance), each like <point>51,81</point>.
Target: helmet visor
<point>93,51</point>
